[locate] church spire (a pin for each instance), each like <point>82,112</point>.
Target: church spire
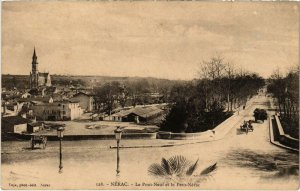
<point>34,75</point>
<point>34,54</point>
<point>34,63</point>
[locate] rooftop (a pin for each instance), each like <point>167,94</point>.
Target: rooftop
<point>82,93</point>
<point>140,111</point>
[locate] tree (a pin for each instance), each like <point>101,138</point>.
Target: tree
<point>285,90</point>
<point>200,105</point>
<point>213,72</point>
<point>212,69</point>
<point>229,68</point>
<point>107,96</point>
<point>123,96</point>
<point>190,111</point>
<point>176,119</point>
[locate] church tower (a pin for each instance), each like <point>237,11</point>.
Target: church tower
<point>38,79</point>
<point>34,63</point>
<point>34,74</point>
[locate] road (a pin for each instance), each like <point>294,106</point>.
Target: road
<point>243,161</point>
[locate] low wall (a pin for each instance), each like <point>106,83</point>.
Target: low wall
<point>184,136</point>
<point>283,138</point>
<point>90,137</point>
<point>222,129</point>
<point>274,132</point>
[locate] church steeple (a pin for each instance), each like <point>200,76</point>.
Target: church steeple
<point>34,55</point>
<point>34,75</point>
<point>34,63</point>
<point>38,79</point>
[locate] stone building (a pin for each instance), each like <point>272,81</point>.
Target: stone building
<point>36,78</point>
<point>14,124</point>
<point>86,101</point>
<point>55,111</point>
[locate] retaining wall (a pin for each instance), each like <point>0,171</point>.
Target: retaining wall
<point>185,136</point>
<point>283,138</point>
<point>90,137</point>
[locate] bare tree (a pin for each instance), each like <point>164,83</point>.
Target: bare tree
<point>229,68</point>
<point>212,69</point>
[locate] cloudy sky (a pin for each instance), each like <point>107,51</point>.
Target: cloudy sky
<point>158,39</point>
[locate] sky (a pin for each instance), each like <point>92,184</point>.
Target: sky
<point>149,39</point>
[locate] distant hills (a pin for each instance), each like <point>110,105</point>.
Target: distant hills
<point>22,81</point>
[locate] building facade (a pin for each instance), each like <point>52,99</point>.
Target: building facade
<point>14,124</point>
<point>62,110</point>
<point>86,102</point>
<point>37,78</point>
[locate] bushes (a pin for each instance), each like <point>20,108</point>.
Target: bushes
<point>199,105</point>
<point>291,127</point>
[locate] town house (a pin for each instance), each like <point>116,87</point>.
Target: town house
<point>61,110</point>
<point>86,101</point>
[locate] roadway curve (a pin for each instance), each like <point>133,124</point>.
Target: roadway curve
<point>244,162</point>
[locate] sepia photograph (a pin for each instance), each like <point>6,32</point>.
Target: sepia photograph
<point>149,95</point>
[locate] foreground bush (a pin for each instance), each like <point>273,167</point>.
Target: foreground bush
<point>178,168</point>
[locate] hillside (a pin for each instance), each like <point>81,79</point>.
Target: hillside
<point>22,81</point>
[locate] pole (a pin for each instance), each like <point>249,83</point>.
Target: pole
<point>60,156</point>
<point>118,158</point>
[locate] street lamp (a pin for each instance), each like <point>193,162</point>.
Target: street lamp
<point>118,134</point>
<point>60,135</point>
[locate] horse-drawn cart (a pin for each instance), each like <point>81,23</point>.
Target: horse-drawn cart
<point>260,114</point>
<point>246,127</point>
<point>38,139</point>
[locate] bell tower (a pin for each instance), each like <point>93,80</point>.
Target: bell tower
<point>34,63</point>
<point>34,74</point>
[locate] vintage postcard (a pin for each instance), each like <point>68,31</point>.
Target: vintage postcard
<point>149,95</point>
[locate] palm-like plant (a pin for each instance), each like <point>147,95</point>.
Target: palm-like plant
<point>178,168</point>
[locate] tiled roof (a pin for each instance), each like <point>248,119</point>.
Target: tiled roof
<point>55,103</point>
<point>140,111</point>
